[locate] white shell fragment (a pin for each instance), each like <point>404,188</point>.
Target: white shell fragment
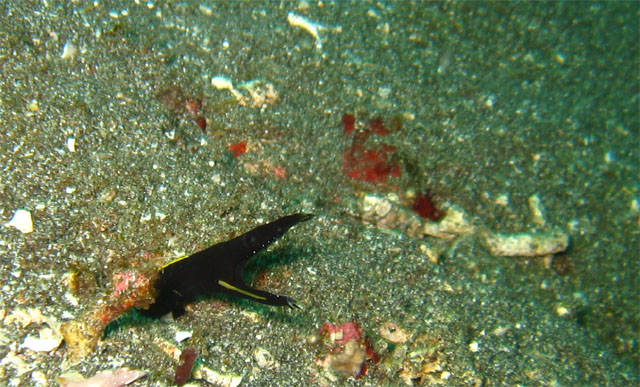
<point>221,82</point>
<point>71,144</point>
<point>22,221</point>
<point>216,378</point>
<point>307,25</point>
<point>117,378</point>
<point>527,244</point>
<point>264,358</point>
<point>183,335</point>
<point>47,341</point>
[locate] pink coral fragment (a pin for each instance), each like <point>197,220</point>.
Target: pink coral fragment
<point>117,378</point>
<point>122,281</point>
<point>343,333</point>
<point>349,349</point>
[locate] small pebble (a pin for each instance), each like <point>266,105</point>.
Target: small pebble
<point>69,51</point>
<point>263,358</point>
<point>71,144</point>
<point>22,221</point>
<point>183,335</point>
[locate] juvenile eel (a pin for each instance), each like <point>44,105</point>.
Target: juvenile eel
<point>219,269</point>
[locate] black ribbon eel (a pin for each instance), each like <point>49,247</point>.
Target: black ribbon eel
<point>219,269</point>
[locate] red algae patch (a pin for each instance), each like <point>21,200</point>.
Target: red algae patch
<point>183,372</point>
<point>348,123</point>
<point>238,148</point>
<point>424,206</point>
<point>364,161</point>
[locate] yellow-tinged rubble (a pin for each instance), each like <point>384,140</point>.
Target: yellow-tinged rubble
<point>418,361</point>
<point>388,213</point>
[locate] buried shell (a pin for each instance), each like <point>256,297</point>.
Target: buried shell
<point>392,332</point>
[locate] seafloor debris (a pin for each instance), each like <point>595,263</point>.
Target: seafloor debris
<point>340,334</point>
<point>187,359</point>
<point>47,340</point>
<point>174,99</point>
<point>387,212</point>
<point>348,123</point>
<point>456,222</point>
<point>367,162</point>
<point>22,221</point>
<point>15,361</point>
<point>349,350</point>
<point>545,242</point>
<point>181,336</point>
<point>221,82</point>
<point>24,317</point>
<point>527,244</point>
<point>116,378</point>
<point>311,27</point>
<point>349,360</point>
<point>392,332</point>
<point>417,362</point>
<point>69,51</point>
<point>201,372</point>
<point>217,378</point>
<point>424,206</point>
<point>129,289</point>
<point>261,93</point>
<point>264,358</point>
<point>238,148</point>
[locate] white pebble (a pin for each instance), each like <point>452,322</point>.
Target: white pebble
<point>222,83</point>
<point>264,358</point>
<point>46,342</point>
<point>71,299</point>
<point>22,221</point>
<point>206,10</point>
<point>562,311</point>
<point>69,51</point>
<point>183,335</point>
<point>71,144</point>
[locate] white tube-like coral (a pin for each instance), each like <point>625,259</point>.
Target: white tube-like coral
<point>527,244</point>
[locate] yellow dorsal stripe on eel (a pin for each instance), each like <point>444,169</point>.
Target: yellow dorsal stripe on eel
<point>174,261</point>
